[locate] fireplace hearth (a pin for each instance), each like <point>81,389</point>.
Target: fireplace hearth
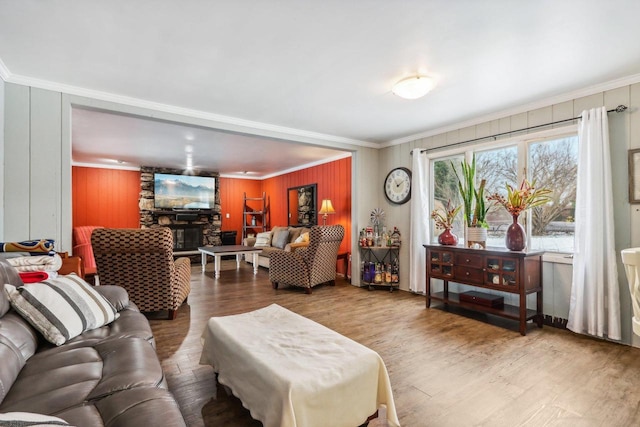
<point>192,229</point>
<point>186,237</point>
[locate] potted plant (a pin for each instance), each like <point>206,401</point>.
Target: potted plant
<point>516,202</point>
<point>473,202</point>
<point>444,219</point>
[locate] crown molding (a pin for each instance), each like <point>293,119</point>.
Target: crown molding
<point>545,102</point>
<point>223,175</point>
<point>286,171</point>
<point>103,166</point>
<point>251,127</point>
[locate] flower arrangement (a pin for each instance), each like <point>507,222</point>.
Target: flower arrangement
<point>519,200</point>
<point>444,219</point>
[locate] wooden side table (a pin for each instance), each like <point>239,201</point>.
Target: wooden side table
<point>344,257</point>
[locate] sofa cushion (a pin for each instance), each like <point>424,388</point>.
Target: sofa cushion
<point>294,232</point>
<point>79,372</point>
<point>18,342</point>
<point>266,252</point>
<point>116,295</point>
<point>129,408</point>
<point>263,240</point>
<point>280,238</point>
<point>24,419</point>
<point>62,308</point>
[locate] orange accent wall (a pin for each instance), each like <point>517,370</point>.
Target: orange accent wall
<point>231,199</point>
<point>109,197</point>
<point>106,197</point>
<point>333,182</point>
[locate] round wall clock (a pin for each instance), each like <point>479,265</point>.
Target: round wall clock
<point>397,186</point>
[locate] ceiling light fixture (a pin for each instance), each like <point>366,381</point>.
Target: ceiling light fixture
<point>413,87</point>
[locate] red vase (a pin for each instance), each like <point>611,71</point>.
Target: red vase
<point>447,238</point>
<point>515,239</point>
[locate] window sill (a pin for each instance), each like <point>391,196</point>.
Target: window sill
<point>558,258</point>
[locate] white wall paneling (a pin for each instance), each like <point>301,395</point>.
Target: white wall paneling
<point>17,164</point>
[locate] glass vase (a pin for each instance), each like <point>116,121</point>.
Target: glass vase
<point>515,239</point>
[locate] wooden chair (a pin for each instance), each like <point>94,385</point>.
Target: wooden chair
<point>82,248</point>
<point>141,261</point>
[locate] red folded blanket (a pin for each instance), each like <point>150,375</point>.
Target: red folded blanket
<point>34,276</point>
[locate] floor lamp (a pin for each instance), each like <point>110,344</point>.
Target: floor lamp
<point>326,209</point>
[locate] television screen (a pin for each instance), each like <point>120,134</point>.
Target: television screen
<point>184,191</point>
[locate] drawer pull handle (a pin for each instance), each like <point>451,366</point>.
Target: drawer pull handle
<point>467,273</point>
<point>467,259</point>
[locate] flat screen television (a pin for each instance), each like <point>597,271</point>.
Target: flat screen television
<point>183,191</point>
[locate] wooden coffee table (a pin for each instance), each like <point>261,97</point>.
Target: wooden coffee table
<point>218,251</point>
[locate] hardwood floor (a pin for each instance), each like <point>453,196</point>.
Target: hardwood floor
<point>446,369</point>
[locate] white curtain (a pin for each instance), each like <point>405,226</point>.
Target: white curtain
<point>419,222</point>
<point>595,302</point>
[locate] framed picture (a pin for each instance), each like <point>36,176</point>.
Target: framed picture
<point>634,176</point>
<point>301,204</point>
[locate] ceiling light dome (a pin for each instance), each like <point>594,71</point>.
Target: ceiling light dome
<point>413,87</point>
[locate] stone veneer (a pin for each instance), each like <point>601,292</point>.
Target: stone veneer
<point>151,217</point>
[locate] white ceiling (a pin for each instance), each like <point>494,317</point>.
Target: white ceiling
<point>306,69</point>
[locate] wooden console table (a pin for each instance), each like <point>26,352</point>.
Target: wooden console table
<point>492,268</point>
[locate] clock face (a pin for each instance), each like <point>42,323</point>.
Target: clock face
<point>397,186</point>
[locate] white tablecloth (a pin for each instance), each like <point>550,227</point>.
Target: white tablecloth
<point>291,371</point>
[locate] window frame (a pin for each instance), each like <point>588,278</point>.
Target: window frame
<point>522,142</point>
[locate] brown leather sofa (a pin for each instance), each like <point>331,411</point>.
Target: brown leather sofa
<point>107,376</point>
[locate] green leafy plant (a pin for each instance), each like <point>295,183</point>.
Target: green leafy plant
<point>444,218</point>
<point>473,200</point>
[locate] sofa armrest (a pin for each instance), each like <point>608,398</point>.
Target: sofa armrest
<point>292,247</point>
<point>116,295</point>
<point>289,268</point>
<point>249,241</point>
<point>182,283</point>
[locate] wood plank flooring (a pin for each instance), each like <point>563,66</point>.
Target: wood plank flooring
<point>446,369</point>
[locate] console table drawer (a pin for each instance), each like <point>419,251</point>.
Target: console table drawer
<point>468,260</point>
<point>468,274</point>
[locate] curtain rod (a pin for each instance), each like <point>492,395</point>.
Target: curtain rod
<point>618,109</point>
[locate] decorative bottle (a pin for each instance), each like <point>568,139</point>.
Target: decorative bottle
<point>387,274</point>
<point>378,276</point>
<point>395,272</point>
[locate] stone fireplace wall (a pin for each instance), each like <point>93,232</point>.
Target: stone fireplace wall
<point>210,219</point>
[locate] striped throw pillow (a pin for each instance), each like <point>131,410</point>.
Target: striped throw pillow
<point>263,240</point>
<point>61,308</point>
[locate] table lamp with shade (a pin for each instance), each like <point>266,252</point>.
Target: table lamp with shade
<point>326,209</point>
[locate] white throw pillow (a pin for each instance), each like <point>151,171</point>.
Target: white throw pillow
<point>304,237</point>
<point>61,308</point>
<point>263,240</point>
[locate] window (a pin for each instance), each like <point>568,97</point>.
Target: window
<point>554,165</point>
<point>498,167</point>
<point>445,189</point>
<point>550,162</point>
